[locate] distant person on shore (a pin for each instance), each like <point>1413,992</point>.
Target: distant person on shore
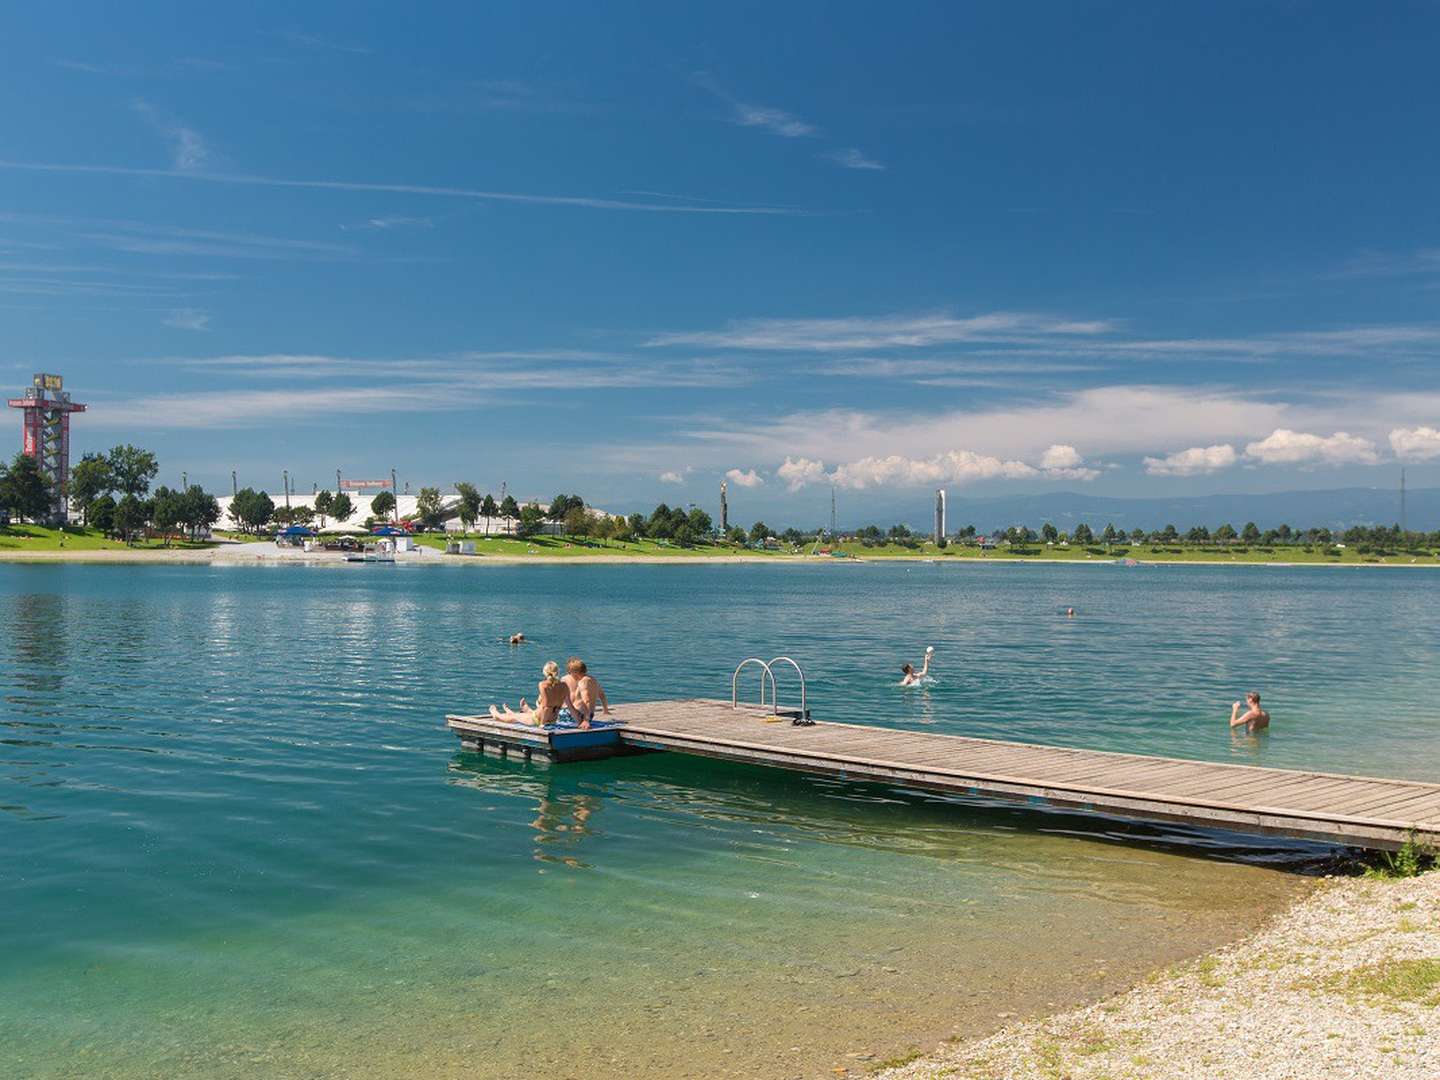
<point>585,691</point>
<point>1254,718</point>
<point>913,677</point>
<point>551,697</point>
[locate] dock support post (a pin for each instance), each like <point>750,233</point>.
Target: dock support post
<point>504,751</point>
<point>527,755</point>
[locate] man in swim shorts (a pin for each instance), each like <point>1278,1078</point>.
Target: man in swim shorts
<point>1254,718</point>
<point>585,691</point>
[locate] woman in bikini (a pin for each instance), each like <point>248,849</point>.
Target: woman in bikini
<point>551,697</point>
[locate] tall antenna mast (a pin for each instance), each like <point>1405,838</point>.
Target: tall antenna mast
<point>1403,529</point>
<point>833,531</point>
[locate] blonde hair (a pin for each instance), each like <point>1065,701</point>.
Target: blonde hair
<point>575,666</point>
<point>552,671</point>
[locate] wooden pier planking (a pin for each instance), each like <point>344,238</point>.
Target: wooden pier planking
<point>1363,811</point>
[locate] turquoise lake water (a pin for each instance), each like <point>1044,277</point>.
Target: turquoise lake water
<point>237,841</point>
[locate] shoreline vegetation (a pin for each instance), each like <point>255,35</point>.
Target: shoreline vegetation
<point>25,543</point>
<point>1344,983</point>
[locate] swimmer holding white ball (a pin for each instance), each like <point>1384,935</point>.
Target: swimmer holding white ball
<point>913,677</point>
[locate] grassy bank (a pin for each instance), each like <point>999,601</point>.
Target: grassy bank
<point>21,538</point>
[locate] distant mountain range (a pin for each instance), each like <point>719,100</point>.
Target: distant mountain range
<point>1338,508</point>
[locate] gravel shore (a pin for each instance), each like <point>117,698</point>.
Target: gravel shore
<point>1344,984</point>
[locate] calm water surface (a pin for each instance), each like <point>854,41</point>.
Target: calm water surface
<point>236,840</point>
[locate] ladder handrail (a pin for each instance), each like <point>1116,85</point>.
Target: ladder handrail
<point>735,682</point>
<point>804,712</point>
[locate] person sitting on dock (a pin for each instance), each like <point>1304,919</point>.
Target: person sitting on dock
<point>585,691</point>
<point>1254,718</point>
<point>552,699</point>
<point>913,677</point>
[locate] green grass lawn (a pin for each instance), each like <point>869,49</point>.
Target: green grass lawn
<point>41,538</point>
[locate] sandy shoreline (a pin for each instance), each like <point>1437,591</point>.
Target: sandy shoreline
<point>268,554</point>
<point>1344,984</point>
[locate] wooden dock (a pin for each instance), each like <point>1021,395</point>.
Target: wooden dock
<point>1356,810</point>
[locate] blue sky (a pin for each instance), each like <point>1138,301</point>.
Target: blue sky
<point>627,249</point>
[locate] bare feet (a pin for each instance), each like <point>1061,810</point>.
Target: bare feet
<point>496,713</point>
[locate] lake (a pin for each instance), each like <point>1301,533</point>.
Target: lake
<point>238,841</point>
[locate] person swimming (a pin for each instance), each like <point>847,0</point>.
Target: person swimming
<point>517,639</point>
<point>551,698</point>
<point>913,677</point>
<point>1254,718</point>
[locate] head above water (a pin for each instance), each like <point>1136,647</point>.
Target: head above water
<point>552,671</point>
<point>906,669</point>
<point>1253,697</point>
<point>575,666</point>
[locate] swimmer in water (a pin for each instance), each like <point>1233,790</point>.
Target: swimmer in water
<point>913,677</point>
<point>1069,612</point>
<point>1254,718</point>
<point>517,639</point>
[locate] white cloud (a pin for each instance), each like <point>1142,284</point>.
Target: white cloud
<point>951,467</point>
<point>384,224</point>
<point>748,479</point>
<point>1065,463</point>
<point>671,477</point>
<point>250,180</point>
<point>187,319</point>
<point>797,472</point>
<point>853,159</point>
<point>777,121</point>
<point>882,332</point>
<point>1196,461</point>
<point>1286,447</point>
<point>1415,444</point>
<point>186,145</point>
<point>267,408</point>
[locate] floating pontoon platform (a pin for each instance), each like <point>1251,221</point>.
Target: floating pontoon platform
<point>1361,811</point>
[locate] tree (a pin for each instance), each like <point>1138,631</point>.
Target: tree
<point>131,513</point>
<point>558,508</point>
<point>341,509</point>
<point>89,480</point>
<point>133,469</point>
<point>1198,534</point>
<point>1083,534</point>
<point>1049,533</point>
<point>427,508</point>
<point>509,512</point>
<point>660,526</point>
<point>1250,533</point>
<point>577,521</point>
<point>683,534</point>
<point>700,524</point>
<point>469,508</point>
<point>24,491</point>
<point>199,510</point>
<point>636,522</point>
<point>1109,534</point>
<point>1169,534</point>
<point>100,514</point>
<point>488,510</point>
<point>251,510</point>
<point>383,505</point>
<point>735,534</point>
<point>165,511</point>
<point>1225,533</point>
<point>324,505</point>
<point>758,532</point>
<point>531,519</point>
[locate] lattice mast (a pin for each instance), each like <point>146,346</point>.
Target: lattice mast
<point>45,425</point>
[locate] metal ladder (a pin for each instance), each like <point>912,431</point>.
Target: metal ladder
<point>796,716</point>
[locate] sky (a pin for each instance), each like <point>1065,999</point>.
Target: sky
<point>630,250</point>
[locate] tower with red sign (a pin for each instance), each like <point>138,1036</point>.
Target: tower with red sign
<point>46,409</point>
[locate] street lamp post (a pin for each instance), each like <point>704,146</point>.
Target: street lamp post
<point>285,483</point>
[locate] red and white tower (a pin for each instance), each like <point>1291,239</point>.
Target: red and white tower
<point>47,407</point>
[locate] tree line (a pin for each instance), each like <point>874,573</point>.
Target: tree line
<point>112,492</point>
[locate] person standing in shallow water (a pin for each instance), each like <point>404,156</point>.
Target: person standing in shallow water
<point>1254,718</point>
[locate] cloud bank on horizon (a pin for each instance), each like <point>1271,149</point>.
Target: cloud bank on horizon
<point>477,257</point>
